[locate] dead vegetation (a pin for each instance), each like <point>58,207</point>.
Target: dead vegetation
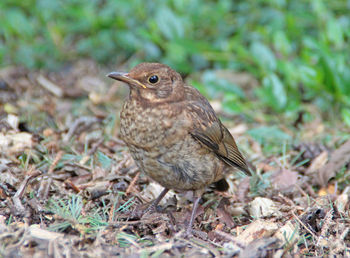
<point>69,187</point>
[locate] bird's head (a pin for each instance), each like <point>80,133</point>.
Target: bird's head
<point>153,82</point>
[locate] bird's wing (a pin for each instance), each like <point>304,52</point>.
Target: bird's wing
<point>209,130</point>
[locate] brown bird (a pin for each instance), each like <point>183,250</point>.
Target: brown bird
<point>173,133</point>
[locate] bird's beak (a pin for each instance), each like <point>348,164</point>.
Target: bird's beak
<point>124,77</point>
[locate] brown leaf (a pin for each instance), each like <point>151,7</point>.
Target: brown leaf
<point>339,158</point>
<point>261,247</point>
<point>257,229</point>
<point>318,162</point>
<point>223,214</point>
<point>284,180</point>
<point>243,189</point>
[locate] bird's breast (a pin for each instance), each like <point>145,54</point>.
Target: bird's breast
<point>160,142</point>
<point>150,127</point>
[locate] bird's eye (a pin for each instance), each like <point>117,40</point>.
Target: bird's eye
<point>153,79</point>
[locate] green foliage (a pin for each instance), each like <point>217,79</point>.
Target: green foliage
<point>104,160</point>
<point>271,138</point>
<point>258,183</point>
<point>298,50</point>
<point>69,211</point>
<point>69,214</point>
<point>125,239</point>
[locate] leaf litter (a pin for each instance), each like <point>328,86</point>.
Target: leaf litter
<point>69,187</point>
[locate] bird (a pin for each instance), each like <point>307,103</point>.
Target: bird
<point>173,133</point>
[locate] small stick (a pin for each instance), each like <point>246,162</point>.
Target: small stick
<point>19,194</point>
<point>132,183</point>
<point>73,186</point>
<point>302,191</point>
<point>327,221</point>
<point>44,188</point>
<point>50,86</point>
<point>95,146</point>
<point>55,162</point>
<point>164,246</point>
<point>229,238</point>
<point>297,218</point>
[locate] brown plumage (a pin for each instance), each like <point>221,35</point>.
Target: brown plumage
<point>173,133</point>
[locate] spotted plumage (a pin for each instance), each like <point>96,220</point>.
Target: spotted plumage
<point>172,131</point>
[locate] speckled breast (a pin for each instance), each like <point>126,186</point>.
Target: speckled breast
<point>164,150</point>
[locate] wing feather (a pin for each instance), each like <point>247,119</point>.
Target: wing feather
<point>209,130</point>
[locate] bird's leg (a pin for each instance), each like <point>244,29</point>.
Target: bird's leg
<point>196,199</point>
<point>154,204</point>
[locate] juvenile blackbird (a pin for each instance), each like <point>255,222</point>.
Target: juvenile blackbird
<point>173,133</point>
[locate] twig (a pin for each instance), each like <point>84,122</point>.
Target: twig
<point>327,221</point>
<point>149,250</point>
<point>117,141</point>
<point>55,162</point>
<point>132,183</point>
<point>345,233</point>
<point>229,238</point>
<point>50,86</point>
<point>93,149</point>
<point>200,244</point>
<point>21,189</point>
<point>44,188</point>
<point>72,185</point>
<point>95,146</point>
<point>297,218</point>
<point>301,191</point>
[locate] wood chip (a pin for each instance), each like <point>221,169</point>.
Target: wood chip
<point>257,229</point>
<point>37,232</point>
<point>50,86</point>
<point>263,207</point>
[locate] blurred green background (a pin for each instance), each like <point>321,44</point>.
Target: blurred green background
<point>298,51</point>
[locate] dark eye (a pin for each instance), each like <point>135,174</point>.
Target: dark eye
<point>153,79</point>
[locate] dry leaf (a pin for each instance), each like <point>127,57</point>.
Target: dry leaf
<point>287,234</point>
<point>341,202</point>
<point>318,162</point>
<point>153,190</point>
<point>330,189</point>
<point>260,248</point>
<point>284,180</point>
<point>12,142</point>
<point>36,232</point>
<point>263,207</point>
<point>339,158</point>
<point>257,229</point>
<point>13,121</point>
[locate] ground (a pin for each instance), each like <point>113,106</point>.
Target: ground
<point>69,187</point>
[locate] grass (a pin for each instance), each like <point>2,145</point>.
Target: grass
<point>70,214</point>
